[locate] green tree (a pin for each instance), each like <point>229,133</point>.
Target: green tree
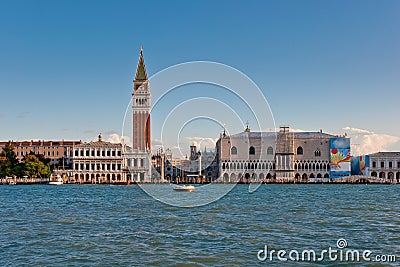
<point>35,167</point>
<point>8,160</point>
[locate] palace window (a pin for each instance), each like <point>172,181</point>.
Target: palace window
<point>270,151</point>
<point>252,150</point>
<point>299,150</point>
<point>317,153</point>
<point>390,164</point>
<point>374,164</point>
<point>234,150</point>
<point>382,164</point>
<point>398,165</point>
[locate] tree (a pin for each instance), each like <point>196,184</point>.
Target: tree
<point>8,160</point>
<point>35,167</point>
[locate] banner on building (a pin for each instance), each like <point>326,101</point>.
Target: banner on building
<point>360,165</point>
<point>340,156</point>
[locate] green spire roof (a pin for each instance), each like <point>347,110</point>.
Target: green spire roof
<point>141,74</point>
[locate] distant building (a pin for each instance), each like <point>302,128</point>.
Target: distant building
<point>97,162</point>
<point>188,170</point>
<point>201,167</point>
<point>282,156</point>
<point>58,152</point>
<point>385,165</point>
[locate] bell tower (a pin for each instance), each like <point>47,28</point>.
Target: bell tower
<point>138,159</point>
<point>141,105</point>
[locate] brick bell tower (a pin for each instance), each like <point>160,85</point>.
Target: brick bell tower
<point>138,159</point>
<point>141,105</point>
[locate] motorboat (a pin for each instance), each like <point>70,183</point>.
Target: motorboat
<point>184,188</point>
<point>56,180</point>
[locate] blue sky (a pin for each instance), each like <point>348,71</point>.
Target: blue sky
<point>66,67</point>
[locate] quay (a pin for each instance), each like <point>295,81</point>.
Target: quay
<point>354,179</point>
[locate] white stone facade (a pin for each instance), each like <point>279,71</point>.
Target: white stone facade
<point>385,165</point>
<point>97,162</point>
<point>282,156</point>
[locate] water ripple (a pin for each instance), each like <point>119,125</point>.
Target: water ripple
<point>107,226</point>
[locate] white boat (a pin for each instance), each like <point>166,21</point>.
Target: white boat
<point>56,180</point>
<point>184,188</point>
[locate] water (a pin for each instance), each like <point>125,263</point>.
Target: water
<point>78,225</point>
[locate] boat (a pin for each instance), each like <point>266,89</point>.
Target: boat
<point>56,180</point>
<point>184,188</point>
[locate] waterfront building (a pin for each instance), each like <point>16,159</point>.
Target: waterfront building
<point>58,152</point>
<point>282,156</point>
<point>138,159</point>
<point>247,156</point>
<point>385,165</point>
<point>97,162</point>
<point>311,160</point>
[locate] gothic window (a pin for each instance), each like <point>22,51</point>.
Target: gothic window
<point>252,150</point>
<point>270,151</point>
<point>299,150</point>
<point>234,150</point>
<point>317,153</point>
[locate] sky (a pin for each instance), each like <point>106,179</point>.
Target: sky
<point>66,67</point>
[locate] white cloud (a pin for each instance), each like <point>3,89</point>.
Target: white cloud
<point>367,142</point>
<point>156,142</point>
<point>116,138</point>
<point>201,142</point>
